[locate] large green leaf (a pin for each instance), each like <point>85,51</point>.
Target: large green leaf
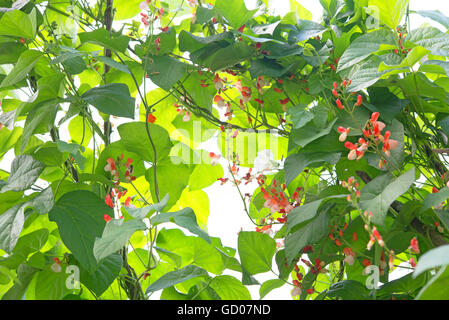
<point>115,236</point>
<point>224,57</point>
<point>80,219</point>
<point>379,194</point>
<point>140,213</point>
<point>17,23</point>
<point>41,116</point>
<point>269,286</point>
<point>430,38</point>
<point>204,175</point>
<point>191,43</point>
<point>435,15</point>
<point>436,288</point>
<point>172,180</point>
<point>234,11</point>
<point>107,271</point>
<point>364,46</point>
<point>24,173</point>
<point>296,163</point>
<point>390,12</point>
<point>304,30</point>
<point>165,71</point>
<point>348,290</point>
<point>434,258</point>
<point>113,99</point>
<point>185,218</point>
<point>256,251</point>
<point>311,233</point>
<point>177,276</point>
<point>26,62</point>
<point>25,274</point>
<point>51,285</point>
<point>11,224</point>
<point>10,52</point>
<point>230,288</point>
<point>135,139</point>
<point>103,38</point>
<point>191,249</point>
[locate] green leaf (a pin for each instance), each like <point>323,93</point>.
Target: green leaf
<point>430,38</point>
<point>11,224</point>
<point>43,202</point>
<point>311,233</point>
<point>114,64</point>
<point>172,180</point>
<point>115,236</point>
<point>204,175</point>
<point>434,199</point>
<point>10,52</point>
<point>126,9</point>
<point>433,258</point>
<point>108,270</point>
<point>348,290</point>
<point>17,23</point>
<point>364,46</point>
<point>113,99</point>
<point>51,285</point>
<point>103,38</point>
<point>296,163</point>
<point>185,218</point>
<point>224,57</point>
<point>24,173</point>
<point>269,286</point>
<point>26,62</point>
<point>140,213</point>
<point>234,11</point>
<point>304,30</point>
<point>256,251</point>
<point>135,139</point>
<point>192,250</point>
<point>436,288</point>
<point>42,115</point>
<point>165,71</point>
<point>230,288</point>
<point>80,219</point>
<point>174,277</point>
<point>308,133</point>
<point>191,43</point>
<point>306,212</point>
<point>390,12</point>
<point>379,194</point>
<point>25,274</point>
<point>435,15</point>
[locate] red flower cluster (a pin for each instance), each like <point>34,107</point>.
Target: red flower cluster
<point>372,132</point>
<point>275,198</point>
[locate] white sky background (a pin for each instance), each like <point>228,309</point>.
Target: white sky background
<point>227,216</point>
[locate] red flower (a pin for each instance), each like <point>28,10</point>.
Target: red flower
<point>359,100</point>
<point>151,118</point>
<point>366,262</point>
<point>414,246</point>
<point>284,101</point>
<point>109,201</point>
<point>107,218</point>
<point>339,104</point>
<point>335,93</point>
<point>56,260</point>
<point>241,28</point>
<point>310,291</point>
